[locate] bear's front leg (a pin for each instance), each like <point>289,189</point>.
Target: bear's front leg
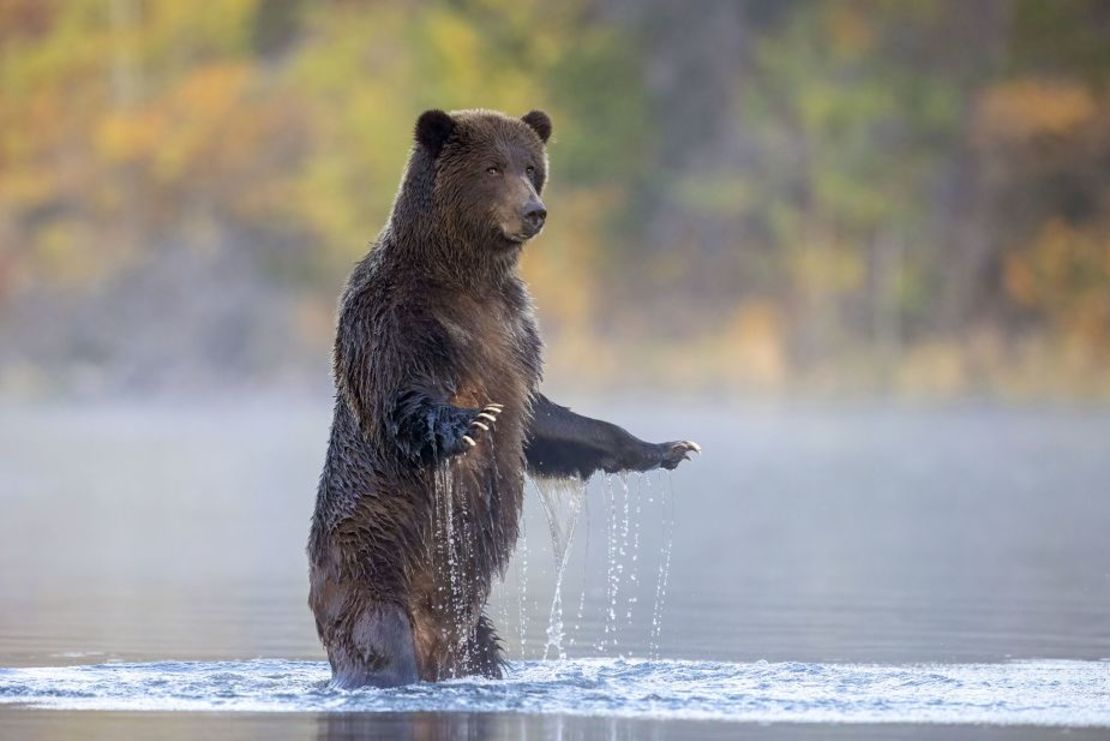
<point>562,443</point>
<point>427,430</point>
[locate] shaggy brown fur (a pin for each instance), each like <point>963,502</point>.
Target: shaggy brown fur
<point>437,413</point>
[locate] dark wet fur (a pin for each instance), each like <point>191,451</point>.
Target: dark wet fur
<point>434,324</point>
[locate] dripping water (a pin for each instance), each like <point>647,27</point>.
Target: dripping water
<point>585,572</point>
<point>522,577</point>
<point>636,582</point>
<point>664,569</point>
<point>633,589</point>
<point>612,576</point>
<point>561,500</point>
<point>450,561</point>
<point>624,588</point>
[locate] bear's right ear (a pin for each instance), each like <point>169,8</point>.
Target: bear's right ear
<point>433,128</point>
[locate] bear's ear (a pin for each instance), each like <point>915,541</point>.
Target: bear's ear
<point>433,128</point>
<point>540,123</point>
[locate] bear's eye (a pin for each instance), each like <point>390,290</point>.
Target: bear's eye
<point>493,170</point>
<point>530,170</point>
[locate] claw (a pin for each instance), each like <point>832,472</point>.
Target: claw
<point>469,440</point>
<point>484,415</point>
<point>480,425</point>
<point>495,405</point>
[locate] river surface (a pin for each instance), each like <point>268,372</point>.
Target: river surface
<point>846,570</point>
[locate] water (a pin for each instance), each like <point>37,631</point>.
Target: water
<point>450,552</point>
<point>845,570</point>
<point>654,644</point>
<point>1043,693</point>
<point>561,501</point>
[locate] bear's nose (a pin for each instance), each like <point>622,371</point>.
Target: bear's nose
<point>534,215</point>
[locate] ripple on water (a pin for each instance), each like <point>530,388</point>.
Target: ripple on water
<point>1046,693</point>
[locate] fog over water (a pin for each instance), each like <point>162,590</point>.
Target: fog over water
<point>815,536</point>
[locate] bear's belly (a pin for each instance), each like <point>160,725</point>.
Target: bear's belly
<point>476,509</point>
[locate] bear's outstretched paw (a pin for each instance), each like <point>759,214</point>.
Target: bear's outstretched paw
<point>676,452</point>
<point>482,421</point>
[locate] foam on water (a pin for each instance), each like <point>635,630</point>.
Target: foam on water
<point>1043,693</point>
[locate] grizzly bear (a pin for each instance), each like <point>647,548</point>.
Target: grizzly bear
<point>438,415</point>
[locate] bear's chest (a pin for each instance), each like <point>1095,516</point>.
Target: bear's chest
<point>492,347</point>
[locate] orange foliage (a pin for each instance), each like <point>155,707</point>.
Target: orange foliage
<point>1064,272</point>
<point>1017,111</point>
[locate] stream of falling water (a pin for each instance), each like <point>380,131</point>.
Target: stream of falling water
<point>585,573</point>
<point>562,501</point>
<point>450,551</point>
<point>639,529</point>
<point>522,578</point>
<point>634,548</point>
<point>444,538</point>
<point>608,636</point>
<point>664,570</point>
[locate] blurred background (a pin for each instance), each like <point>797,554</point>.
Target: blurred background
<point>764,197</point>
<point>860,250</point>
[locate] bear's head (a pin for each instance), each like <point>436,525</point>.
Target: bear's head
<point>489,170</point>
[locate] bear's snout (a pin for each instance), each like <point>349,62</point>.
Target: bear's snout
<point>535,214</point>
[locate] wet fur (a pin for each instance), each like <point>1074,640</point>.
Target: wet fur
<point>434,324</point>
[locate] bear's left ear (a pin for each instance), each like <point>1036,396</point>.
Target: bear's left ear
<point>433,128</point>
<point>540,123</point>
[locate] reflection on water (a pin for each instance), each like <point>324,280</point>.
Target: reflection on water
<point>472,726</point>
<point>804,533</point>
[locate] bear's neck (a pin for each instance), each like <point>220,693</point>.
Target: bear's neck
<point>451,259</point>
<point>455,260</point>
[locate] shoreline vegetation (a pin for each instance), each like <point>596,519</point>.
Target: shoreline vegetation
<point>986,370</point>
<point>770,198</point>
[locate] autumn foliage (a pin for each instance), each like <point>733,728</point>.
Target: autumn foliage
<point>835,196</point>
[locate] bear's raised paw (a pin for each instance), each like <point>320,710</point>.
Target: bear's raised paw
<point>676,452</point>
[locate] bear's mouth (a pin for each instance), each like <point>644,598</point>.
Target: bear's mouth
<point>515,239</point>
<point>521,235</point>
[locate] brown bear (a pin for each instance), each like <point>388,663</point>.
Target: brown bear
<point>438,414</point>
